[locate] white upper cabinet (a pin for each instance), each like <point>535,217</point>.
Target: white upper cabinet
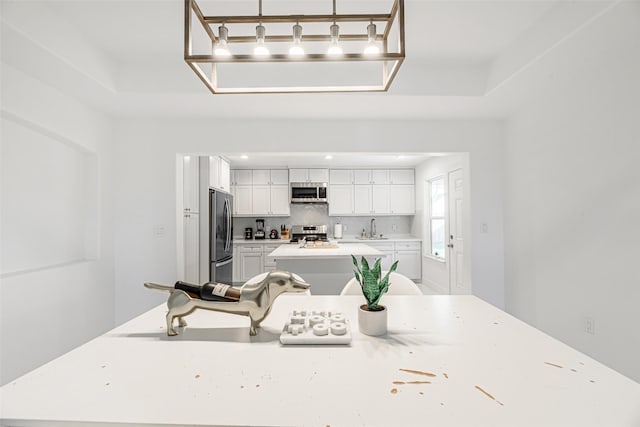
<point>362,176</point>
<point>298,175</point>
<point>341,199</point>
<point>266,194</point>
<point>374,192</point>
<point>261,177</point>
<point>318,175</point>
<point>380,176</point>
<point>261,200</point>
<point>341,176</point>
<point>219,173</point>
<point>309,175</point>
<point>380,199</point>
<point>402,200</point>
<point>401,176</point>
<point>279,198</point>
<point>270,177</point>
<point>190,174</point>
<point>242,199</point>
<point>242,177</point>
<point>362,200</point>
<point>279,177</point>
<point>371,176</point>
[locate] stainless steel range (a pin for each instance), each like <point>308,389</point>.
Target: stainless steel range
<point>309,233</point>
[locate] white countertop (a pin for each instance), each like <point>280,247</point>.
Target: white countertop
<point>343,250</point>
<point>214,374</point>
<point>350,239</point>
<point>240,241</point>
<point>388,238</point>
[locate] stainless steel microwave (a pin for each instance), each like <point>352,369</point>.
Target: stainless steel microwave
<point>308,192</point>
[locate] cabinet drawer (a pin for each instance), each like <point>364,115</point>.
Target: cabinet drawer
<point>406,246</point>
<point>382,247</point>
<point>244,248</point>
<point>269,262</point>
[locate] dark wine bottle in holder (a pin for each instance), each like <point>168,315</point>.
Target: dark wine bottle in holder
<point>210,291</point>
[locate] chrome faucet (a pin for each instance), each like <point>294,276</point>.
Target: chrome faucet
<point>372,232</point>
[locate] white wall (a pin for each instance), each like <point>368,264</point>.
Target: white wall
<point>573,192</point>
<point>146,194</point>
<point>56,285</point>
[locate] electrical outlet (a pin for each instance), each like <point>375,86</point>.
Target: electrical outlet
<point>590,325</point>
<point>344,227</point>
<point>394,227</point>
<point>159,231</point>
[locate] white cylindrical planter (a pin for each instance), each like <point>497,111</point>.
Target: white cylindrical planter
<point>372,323</point>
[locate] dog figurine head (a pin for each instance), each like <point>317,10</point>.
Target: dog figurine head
<point>291,281</point>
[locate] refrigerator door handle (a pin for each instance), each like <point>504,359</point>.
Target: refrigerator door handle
<point>227,214</point>
<point>220,264</point>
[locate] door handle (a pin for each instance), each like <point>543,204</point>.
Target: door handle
<point>227,242</point>
<point>450,245</point>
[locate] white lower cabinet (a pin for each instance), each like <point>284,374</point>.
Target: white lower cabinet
<point>269,263</point>
<point>250,262</point>
<point>407,253</point>
<point>388,249</point>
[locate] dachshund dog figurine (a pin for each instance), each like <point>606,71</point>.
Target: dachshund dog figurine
<point>255,299</point>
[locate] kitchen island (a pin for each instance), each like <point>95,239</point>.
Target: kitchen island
<point>327,267</point>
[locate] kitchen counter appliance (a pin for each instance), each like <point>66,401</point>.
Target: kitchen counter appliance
<point>309,233</point>
<point>308,192</point>
<point>260,233</point>
<point>248,233</point>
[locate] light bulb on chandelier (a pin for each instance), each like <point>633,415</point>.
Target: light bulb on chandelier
<point>372,48</point>
<point>335,49</point>
<point>260,49</point>
<point>296,49</point>
<point>221,48</point>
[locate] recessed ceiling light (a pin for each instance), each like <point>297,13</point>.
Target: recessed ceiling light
<point>244,157</point>
<point>328,157</point>
<point>400,157</point>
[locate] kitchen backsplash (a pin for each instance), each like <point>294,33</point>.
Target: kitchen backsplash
<point>317,214</point>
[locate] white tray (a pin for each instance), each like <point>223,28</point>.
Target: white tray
<point>299,328</point>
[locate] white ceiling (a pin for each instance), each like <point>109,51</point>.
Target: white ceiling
<point>448,30</point>
<point>320,160</point>
<point>125,57</point>
<point>465,60</point>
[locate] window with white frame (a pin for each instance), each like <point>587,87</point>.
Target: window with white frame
<point>436,217</point>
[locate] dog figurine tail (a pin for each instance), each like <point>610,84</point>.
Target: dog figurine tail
<point>159,287</point>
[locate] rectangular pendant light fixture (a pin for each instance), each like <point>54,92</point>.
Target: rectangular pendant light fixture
<point>295,53</point>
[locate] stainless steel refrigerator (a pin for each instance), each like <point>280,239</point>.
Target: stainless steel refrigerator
<point>220,236</point>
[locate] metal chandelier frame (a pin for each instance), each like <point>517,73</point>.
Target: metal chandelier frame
<point>209,66</point>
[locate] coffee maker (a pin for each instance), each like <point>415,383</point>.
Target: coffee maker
<point>260,233</point>
<point>248,233</point>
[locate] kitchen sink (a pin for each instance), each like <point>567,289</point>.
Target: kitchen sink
<point>372,238</point>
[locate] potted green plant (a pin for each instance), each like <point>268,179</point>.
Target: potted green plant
<point>372,317</point>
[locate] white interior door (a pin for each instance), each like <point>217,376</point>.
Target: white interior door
<point>457,283</point>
